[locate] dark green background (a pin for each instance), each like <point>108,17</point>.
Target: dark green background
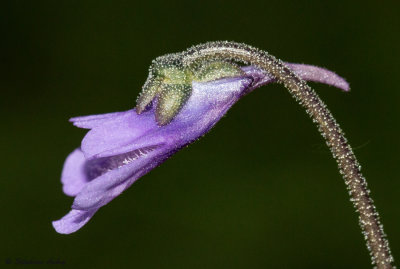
<point>259,191</point>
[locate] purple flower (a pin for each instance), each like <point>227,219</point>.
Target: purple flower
<point>123,146</point>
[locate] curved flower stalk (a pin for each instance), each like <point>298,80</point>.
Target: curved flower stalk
<point>184,96</point>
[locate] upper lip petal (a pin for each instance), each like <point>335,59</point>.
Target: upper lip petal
<point>119,135</point>
<point>91,121</point>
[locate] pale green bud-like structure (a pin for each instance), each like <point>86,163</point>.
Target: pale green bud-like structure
<point>170,83</point>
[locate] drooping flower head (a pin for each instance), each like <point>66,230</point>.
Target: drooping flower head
<point>178,105</point>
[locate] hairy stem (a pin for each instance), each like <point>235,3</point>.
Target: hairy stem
<point>348,165</point>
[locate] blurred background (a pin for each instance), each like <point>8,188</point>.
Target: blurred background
<point>261,190</point>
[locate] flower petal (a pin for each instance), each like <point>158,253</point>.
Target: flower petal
<point>91,121</point>
<point>106,187</point>
<point>209,102</point>
<point>116,133</point>
<point>73,221</point>
<point>73,176</point>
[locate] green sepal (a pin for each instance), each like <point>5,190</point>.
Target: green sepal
<point>214,70</point>
<point>150,89</point>
<point>170,101</point>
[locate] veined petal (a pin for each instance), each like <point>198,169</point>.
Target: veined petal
<point>106,187</point>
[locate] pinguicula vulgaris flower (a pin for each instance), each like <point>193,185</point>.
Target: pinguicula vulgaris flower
<point>185,95</point>
<point>123,146</point>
